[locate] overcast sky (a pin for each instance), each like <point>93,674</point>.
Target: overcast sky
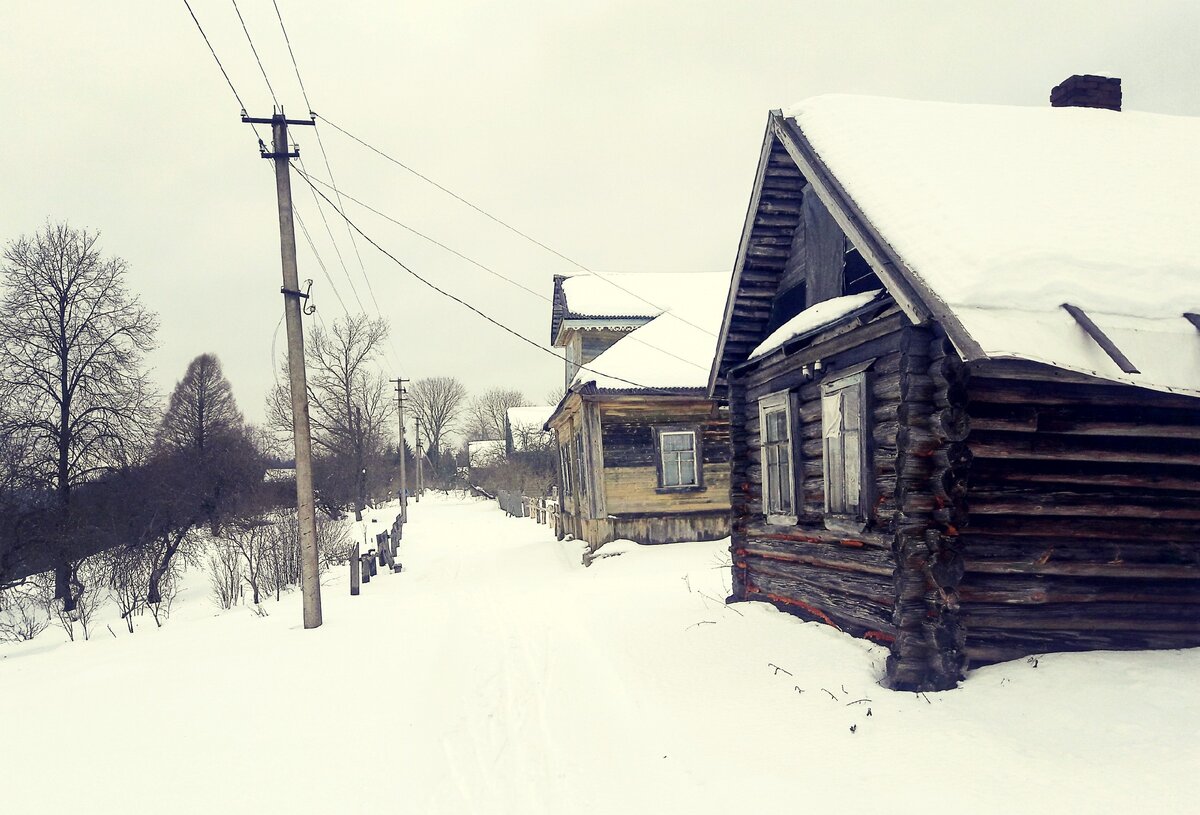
<point>622,134</point>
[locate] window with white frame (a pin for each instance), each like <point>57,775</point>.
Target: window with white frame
<point>775,423</point>
<point>677,454</point>
<point>843,409</point>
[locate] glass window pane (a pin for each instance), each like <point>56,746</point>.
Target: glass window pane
<point>785,482</point>
<point>678,441</point>
<point>670,471</point>
<point>831,415</point>
<point>776,429</point>
<point>853,462</point>
<point>687,468</point>
<point>851,399</point>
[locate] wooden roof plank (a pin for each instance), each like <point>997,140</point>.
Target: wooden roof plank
<point>1097,334</point>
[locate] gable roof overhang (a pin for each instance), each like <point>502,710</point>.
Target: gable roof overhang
<point>766,243</point>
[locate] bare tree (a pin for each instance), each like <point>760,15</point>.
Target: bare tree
<point>438,403</point>
<point>72,340</point>
<point>350,407</point>
<point>487,413</point>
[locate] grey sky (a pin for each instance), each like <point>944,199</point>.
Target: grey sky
<point>624,134</point>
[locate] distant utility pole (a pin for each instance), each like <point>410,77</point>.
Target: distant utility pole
<point>420,463</point>
<point>400,392</point>
<point>305,507</point>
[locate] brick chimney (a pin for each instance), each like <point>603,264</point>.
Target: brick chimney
<point>1087,91</point>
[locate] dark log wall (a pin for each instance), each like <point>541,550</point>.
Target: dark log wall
<point>844,579</point>
<point>1084,517</point>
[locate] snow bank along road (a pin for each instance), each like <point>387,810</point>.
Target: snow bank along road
<point>496,675</point>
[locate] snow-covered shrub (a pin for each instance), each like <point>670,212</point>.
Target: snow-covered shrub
<point>225,572</point>
<point>91,576</point>
<point>128,575</point>
<point>21,615</point>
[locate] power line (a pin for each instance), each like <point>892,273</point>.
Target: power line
<point>213,51</point>
<point>435,242</point>
<point>488,269</point>
<point>256,57</point>
<point>346,272</point>
<point>291,53</point>
<point>336,250</point>
<point>464,303</point>
<point>507,225</point>
<point>320,262</point>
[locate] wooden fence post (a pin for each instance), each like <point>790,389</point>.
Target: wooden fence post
<point>355,570</point>
<point>365,565</point>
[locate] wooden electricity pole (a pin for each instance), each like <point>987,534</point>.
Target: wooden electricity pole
<point>305,507</point>
<point>403,475</point>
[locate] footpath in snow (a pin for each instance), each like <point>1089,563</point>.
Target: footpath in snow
<point>497,675</point>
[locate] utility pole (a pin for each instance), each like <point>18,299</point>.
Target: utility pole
<point>400,392</point>
<point>420,463</point>
<point>305,507</point>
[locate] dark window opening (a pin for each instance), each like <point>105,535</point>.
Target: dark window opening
<point>787,305</point>
<point>857,275</point>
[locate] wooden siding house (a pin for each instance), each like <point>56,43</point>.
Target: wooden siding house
<point>961,353</point>
<point>643,450</point>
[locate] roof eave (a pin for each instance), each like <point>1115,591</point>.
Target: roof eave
<point>764,158</point>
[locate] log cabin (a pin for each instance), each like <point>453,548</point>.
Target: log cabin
<point>961,353</point>
<point>643,450</point>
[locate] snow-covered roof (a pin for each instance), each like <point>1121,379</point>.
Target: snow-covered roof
<point>485,453</point>
<point>675,349</point>
<point>811,319</point>
<point>624,294</point>
<point>1004,214</point>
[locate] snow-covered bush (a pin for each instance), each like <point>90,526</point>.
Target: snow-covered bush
<point>225,572</point>
<point>90,576</point>
<point>21,615</point>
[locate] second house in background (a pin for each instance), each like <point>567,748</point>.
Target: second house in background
<point>643,451</point>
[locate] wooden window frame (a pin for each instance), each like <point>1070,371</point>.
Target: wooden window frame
<point>855,520</point>
<point>581,464</point>
<point>697,451</point>
<point>564,464</point>
<point>771,403</point>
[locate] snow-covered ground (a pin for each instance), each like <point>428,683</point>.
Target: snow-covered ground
<point>497,675</point>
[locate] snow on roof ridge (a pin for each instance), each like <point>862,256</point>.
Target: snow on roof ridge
<point>629,294</point>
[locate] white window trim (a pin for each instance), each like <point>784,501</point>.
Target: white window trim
<point>662,458</point>
<point>770,403</point>
<point>854,521</point>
